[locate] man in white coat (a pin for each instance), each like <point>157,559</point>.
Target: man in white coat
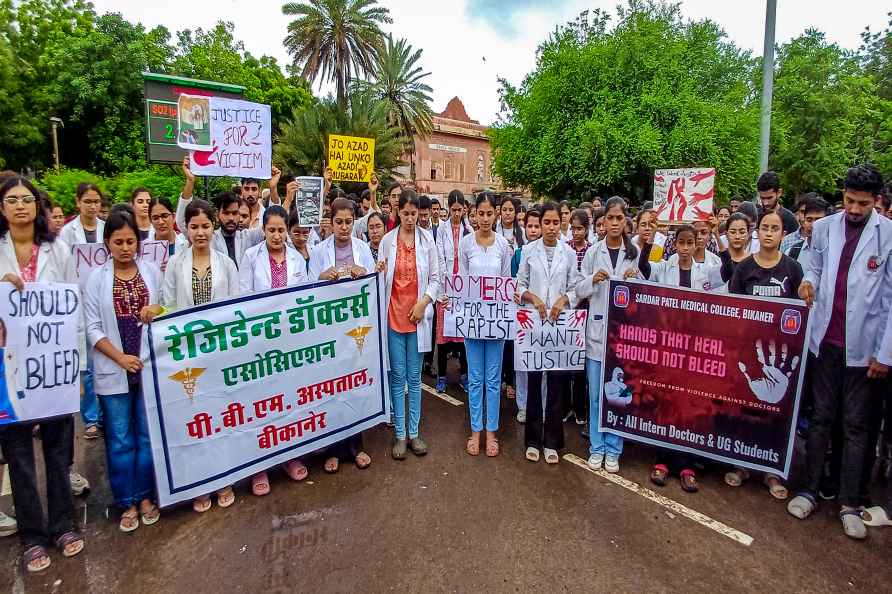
<point>849,285</point>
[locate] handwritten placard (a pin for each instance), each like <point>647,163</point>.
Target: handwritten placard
<point>543,345</point>
<point>684,195</point>
<point>351,158</point>
<point>480,307</point>
<point>90,256</point>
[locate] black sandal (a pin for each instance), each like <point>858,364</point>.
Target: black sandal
<point>66,540</point>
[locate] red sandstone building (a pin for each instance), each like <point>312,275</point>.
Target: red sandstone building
<point>456,156</point>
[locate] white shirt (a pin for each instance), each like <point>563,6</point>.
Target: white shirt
<point>476,260</point>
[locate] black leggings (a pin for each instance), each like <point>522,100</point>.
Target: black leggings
<point>457,349</point>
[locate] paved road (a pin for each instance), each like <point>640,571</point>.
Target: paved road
<point>452,523</point>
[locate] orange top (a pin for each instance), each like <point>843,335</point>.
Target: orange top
<point>404,292</point>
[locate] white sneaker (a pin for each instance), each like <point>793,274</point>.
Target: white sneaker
<point>611,464</point>
<point>79,485</point>
<point>522,416</point>
<point>8,525</point>
<point>595,461</point>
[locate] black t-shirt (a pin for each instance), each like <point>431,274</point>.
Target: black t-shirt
<point>90,236</point>
<point>230,246</point>
<point>781,281</point>
<point>684,278</point>
<point>143,234</point>
<point>614,255</point>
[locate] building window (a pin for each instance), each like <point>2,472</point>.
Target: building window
<point>481,168</point>
<point>434,167</point>
<point>448,170</point>
<point>461,172</point>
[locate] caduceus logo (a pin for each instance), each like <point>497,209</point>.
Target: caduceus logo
<point>358,335</point>
<point>189,378</point>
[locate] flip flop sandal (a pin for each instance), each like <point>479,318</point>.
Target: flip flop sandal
<point>67,540</point>
<point>296,470</point>
<point>32,555</point>
<point>852,524</point>
<point>802,505</point>
<point>492,447</point>
<point>532,454</point>
<point>129,522</point>
<point>876,516</point>
<point>202,504</point>
<point>150,517</point>
<point>689,481</point>
<point>225,497</point>
<point>551,457</point>
<point>736,477</point>
<point>332,465</point>
<point>776,487</point>
<point>473,446</point>
<point>260,484</point>
<point>362,460</point>
<point>659,475</point>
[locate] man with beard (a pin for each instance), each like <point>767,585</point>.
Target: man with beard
<point>770,193</point>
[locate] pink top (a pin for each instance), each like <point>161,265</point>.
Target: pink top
<point>29,270</point>
<point>278,273</point>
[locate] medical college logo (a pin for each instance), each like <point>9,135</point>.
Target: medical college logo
<point>621,296</point>
<point>791,321</point>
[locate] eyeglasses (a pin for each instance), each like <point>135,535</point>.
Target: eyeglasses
<point>161,217</point>
<point>13,200</point>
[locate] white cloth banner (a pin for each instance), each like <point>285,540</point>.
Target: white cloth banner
<point>546,345</point>
<point>240,139</point>
<point>238,386</point>
<point>684,195</point>
<point>90,256</point>
<point>480,307</point>
<point>40,365</point>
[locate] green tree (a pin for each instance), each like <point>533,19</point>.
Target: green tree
<point>336,39</point>
<point>605,107</point>
<point>302,146</point>
<point>397,80</point>
<point>824,111</point>
<point>876,56</point>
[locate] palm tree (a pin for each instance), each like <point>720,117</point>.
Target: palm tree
<point>335,38</point>
<point>396,81</point>
<point>302,144</point>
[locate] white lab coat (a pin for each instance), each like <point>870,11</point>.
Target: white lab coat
<point>427,267</point>
<point>598,258</point>
<point>54,263</point>
<point>177,291</point>
<point>548,283</point>
<point>244,238</point>
<point>255,274</point>
<point>73,233</point>
<point>322,256</point>
<point>446,248</point>
<point>868,292</point>
<point>703,274</point>
<point>99,308</point>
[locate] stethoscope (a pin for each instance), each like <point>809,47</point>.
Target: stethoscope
<point>875,261</point>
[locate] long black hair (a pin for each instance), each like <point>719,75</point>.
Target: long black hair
<point>120,218</point>
<point>42,233</point>
<point>631,249</point>
<point>518,232</point>
<point>197,207</point>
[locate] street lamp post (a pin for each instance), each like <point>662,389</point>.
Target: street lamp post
<point>56,123</point>
<point>767,83</point>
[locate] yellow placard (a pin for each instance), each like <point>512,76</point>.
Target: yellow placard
<point>351,158</point>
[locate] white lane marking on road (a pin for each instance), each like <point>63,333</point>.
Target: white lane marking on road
<point>702,519</point>
<point>446,397</point>
<point>7,487</point>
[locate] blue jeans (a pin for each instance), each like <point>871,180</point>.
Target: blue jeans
<point>601,443</point>
<point>127,448</point>
<point>405,368</point>
<point>90,412</point>
<point>484,367</point>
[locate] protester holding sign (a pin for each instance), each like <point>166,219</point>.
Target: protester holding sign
<point>30,253</point>
<point>161,214</point>
<point>615,257</point>
<point>124,296</point>
<point>408,256</point>
<point>849,282</point>
<point>533,231</point>
<point>574,401</point>
<point>484,253</point>
<point>448,240</point>
<point>299,236</point>
<point>547,280</point>
<point>87,227</point>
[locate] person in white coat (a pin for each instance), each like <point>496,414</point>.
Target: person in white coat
<point>452,230</point>
<point>273,264</point>
<point>484,253</point>
<point>29,253</point>
<point>849,286</point>
<point>86,227</point>
<point>124,295</point>
<point>228,239</point>
<point>161,213</point>
<point>615,257</point>
<point>546,280</point>
<point>408,254</point>
<point>140,199</point>
<point>195,276</point>
<point>342,256</point>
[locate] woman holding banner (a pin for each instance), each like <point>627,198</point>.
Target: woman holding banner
<point>273,264</point>
<point>412,283</point>
<point>448,239</point>
<point>484,253</point>
<point>124,295</point>
<point>546,279</point>
<point>30,253</point>
<point>615,257</point>
<point>341,255</point>
<point>195,276</point>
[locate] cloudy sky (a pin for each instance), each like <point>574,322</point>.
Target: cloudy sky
<point>469,44</point>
